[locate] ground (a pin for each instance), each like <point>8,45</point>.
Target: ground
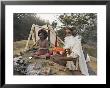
<point>19,46</point>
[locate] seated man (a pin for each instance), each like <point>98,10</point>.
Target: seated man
<point>42,44</point>
<point>73,42</point>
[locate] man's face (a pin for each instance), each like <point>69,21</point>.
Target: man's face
<point>41,36</point>
<point>68,32</point>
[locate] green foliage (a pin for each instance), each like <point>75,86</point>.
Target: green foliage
<point>85,23</point>
<point>23,23</point>
<point>92,52</point>
<point>61,34</point>
<point>54,24</point>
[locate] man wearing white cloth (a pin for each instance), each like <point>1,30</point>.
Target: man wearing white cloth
<point>73,42</point>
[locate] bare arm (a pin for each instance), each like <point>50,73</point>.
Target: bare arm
<point>66,58</point>
<point>63,58</point>
<point>47,44</point>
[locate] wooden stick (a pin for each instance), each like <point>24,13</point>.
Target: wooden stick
<point>26,47</point>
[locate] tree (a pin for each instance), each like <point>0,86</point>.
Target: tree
<point>54,24</point>
<point>85,23</point>
<point>23,23</point>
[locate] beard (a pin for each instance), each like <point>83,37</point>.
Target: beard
<point>69,41</point>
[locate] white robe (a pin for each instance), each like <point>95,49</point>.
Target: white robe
<point>74,44</point>
<point>88,58</point>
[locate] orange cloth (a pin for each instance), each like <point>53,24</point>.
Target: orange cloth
<point>57,49</point>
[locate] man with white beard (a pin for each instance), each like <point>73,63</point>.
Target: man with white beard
<point>73,43</point>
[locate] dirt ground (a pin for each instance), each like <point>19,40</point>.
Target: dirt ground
<point>20,45</point>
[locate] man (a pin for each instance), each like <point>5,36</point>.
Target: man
<point>73,42</point>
